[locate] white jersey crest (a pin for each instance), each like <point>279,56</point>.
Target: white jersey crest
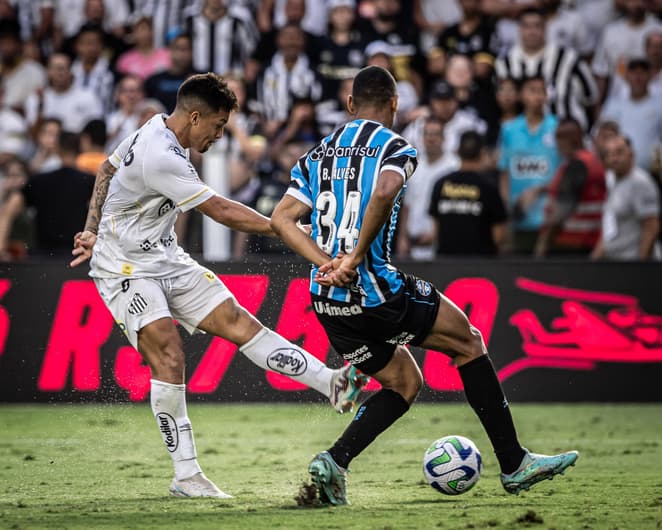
<point>154,181</point>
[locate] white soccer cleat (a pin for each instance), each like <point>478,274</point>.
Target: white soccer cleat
<point>196,486</point>
<point>346,385</point>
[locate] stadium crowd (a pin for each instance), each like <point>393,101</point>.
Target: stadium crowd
<point>538,123</point>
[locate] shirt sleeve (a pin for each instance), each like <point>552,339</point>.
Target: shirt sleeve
<point>300,183</point>
<point>122,150</point>
<point>400,156</point>
<point>645,199</point>
<point>174,177</point>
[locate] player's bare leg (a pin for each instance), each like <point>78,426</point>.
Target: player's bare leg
<point>160,344</point>
<point>270,351</point>
<point>453,334</point>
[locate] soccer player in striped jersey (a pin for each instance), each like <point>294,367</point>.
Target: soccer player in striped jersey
<point>352,184</point>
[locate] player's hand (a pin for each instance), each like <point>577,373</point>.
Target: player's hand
<point>83,245</point>
<point>339,272</point>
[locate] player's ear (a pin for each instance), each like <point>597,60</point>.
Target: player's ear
<point>350,105</point>
<point>195,117</point>
<point>394,104</point>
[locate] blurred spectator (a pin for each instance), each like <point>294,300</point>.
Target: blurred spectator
<point>472,36</point>
<point>124,119</point>
<point>47,153</point>
<point>379,53</point>
<point>294,12</point>
<point>565,27</point>
<point>223,38</point>
<point>445,107</point>
<point>92,147</point>
<point>60,199</point>
<point>289,76</point>
<point>271,190</point>
<point>110,15</point>
<point>20,76</point>
<point>474,94</point>
<point>417,232</point>
<point>21,232</point>
<point>653,47</point>
<point>392,24</point>
<point>36,19</point>
<point>639,115</point>
<point>469,212</point>
<point>570,85</point>
<point>143,59</point>
<point>604,131</point>
<point>332,113</point>
<point>275,14</point>
<point>71,15</point>
<point>528,159</point>
<point>630,222</point>
<point>146,109</point>
<point>168,17</point>
<point>596,14</point>
<point>340,50</point>
<point>507,97</point>
<point>300,128</point>
<point>573,211</point>
<point>14,136</point>
<point>432,17</point>
<point>74,106</point>
<point>506,13</point>
<point>164,85</point>
<point>91,68</point>
<point>622,40</point>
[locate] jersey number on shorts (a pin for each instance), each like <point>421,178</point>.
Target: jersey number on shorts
<point>327,231</point>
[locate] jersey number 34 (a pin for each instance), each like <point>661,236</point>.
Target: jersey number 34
<point>346,232</point>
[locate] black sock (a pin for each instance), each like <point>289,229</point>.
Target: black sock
<point>484,394</point>
<point>374,416</point>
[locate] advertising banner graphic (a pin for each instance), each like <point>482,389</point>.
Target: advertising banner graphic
<point>556,331</point>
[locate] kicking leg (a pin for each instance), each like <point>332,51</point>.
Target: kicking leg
<point>160,344</point>
<point>270,351</point>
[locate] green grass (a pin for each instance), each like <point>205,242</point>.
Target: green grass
<point>103,466</point>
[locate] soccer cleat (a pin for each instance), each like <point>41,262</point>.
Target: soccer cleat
<point>329,478</point>
<point>535,468</point>
<point>346,385</point>
<point>196,486</point>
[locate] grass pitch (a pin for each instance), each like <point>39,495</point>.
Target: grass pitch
<point>88,467</point>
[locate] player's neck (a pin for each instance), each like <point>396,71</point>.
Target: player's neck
<point>375,115</point>
<point>179,125</point>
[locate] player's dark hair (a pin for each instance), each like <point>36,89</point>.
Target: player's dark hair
<point>471,145</point>
<point>373,86</point>
<point>96,131</point>
<point>207,90</point>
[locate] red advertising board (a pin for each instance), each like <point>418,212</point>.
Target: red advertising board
<point>556,331</point>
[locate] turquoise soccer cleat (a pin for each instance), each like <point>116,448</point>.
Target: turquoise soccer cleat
<point>534,468</point>
<point>346,385</point>
<point>329,478</point>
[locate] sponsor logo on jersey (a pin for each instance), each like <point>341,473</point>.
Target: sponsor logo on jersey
<point>168,428</point>
<point>530,166</point>
<point>402,338</point>
<point>337,311</point>
<point>137,304</point>
<point>166,207</point>
<point>359,355</point>
<point>322,151</point>
<point>423,287</point>
<point>287,361</point>
<point>175,149</point>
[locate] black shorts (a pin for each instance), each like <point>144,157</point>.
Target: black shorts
<point>367,336</point>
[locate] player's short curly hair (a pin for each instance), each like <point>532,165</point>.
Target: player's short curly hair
<point>206,90</point>
<point>373,86</point>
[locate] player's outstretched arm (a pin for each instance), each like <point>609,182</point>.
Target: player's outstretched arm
<point>84,241</point>
<point>237,216</point>
<point>284,221</point>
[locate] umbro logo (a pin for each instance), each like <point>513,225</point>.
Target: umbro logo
<point>137,305</point>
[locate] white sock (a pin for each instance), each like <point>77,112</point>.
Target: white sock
<point>272,352</point>
<point>169,407</point>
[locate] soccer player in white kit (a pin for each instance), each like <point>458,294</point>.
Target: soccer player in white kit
<point>147,280</point>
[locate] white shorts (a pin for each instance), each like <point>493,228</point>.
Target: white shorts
<point>136,302</point>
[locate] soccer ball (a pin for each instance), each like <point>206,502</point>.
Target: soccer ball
<point>452,465</point>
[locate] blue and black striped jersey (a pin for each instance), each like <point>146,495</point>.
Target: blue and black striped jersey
<point>336,179</point>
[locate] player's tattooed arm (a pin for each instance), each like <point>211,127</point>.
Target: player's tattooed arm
<point>104,175</point>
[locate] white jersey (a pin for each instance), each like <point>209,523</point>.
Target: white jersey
<point>154,181</point>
